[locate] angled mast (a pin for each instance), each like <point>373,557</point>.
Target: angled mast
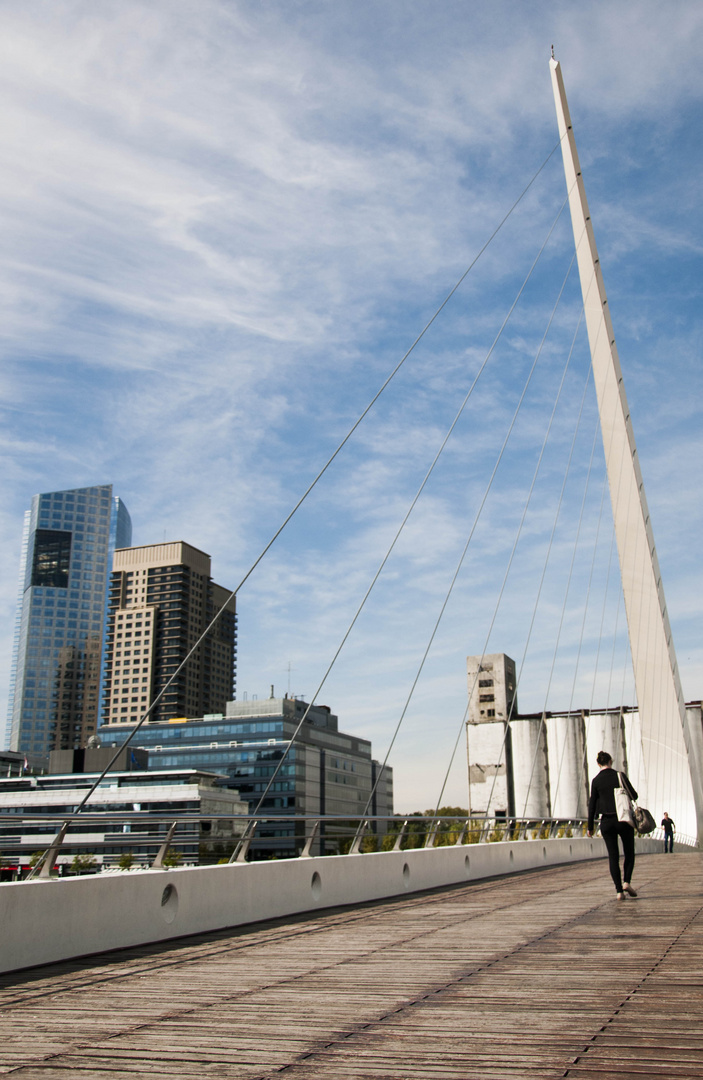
<point>671,751</point>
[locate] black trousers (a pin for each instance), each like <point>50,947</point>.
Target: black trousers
<point>610,830</point>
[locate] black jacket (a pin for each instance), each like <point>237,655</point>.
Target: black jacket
<point>602,800</point>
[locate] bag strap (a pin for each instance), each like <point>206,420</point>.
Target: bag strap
<point>624,787</point>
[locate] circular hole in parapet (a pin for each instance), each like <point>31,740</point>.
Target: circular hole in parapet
<point>406,875</point>
<point>169,903</point>
<point>316,886</point>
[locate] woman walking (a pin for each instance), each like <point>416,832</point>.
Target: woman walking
<point>602,801</point>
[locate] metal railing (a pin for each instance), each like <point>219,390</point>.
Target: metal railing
<point>31,846</point>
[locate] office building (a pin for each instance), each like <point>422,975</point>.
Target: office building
<point>161,601</point>
<point>139,804</point>
<point>68,541</point>
<point>326,772</point>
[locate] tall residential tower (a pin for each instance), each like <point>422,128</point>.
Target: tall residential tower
<point>69,538</point>
<point>162,599</point>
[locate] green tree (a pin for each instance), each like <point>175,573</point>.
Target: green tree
<point>83,864</point>
<point>450,825</point>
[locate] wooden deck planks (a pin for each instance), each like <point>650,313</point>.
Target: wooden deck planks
<point>539,975</point>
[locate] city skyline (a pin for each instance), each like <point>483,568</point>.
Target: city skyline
<point>224,228</point>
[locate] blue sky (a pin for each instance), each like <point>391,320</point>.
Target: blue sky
<point>224,223</point>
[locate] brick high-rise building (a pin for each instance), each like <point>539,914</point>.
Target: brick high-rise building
<point>161,600</point>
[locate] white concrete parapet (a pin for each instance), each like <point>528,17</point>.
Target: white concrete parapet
<point>60,918</point>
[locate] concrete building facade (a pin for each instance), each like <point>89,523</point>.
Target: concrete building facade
<point>540,765</point>
<point>161,601</point>
<point>492,691</point>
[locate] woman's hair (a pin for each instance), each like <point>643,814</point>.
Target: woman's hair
<point>604,758</point>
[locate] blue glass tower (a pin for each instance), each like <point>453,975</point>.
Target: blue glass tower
<point>68,544</point>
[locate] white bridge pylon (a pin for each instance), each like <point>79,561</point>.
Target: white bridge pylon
<point>670,747</point>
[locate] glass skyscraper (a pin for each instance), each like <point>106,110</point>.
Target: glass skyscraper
<point>68,543</point>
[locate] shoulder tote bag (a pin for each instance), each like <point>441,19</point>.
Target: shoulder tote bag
<point>623,804</point>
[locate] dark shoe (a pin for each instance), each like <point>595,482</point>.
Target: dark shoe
<point>628,889</point>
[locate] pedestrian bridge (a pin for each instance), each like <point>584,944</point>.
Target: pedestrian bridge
<point>451,962</point>
<point>538,975</point>
<point>51,919</point>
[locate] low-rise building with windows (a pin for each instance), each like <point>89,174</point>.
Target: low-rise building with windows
<point>325,772</point>
<point>137,807</point>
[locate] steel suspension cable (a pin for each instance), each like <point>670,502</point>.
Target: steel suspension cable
<point>524,512</point>
<point>145,716</point>
<point>543,718</point>
<point>563,609</point>
<point>547,557</point>
<point>472,531</point>
<point>583,629</point>
<point>403,524</point>
<point>602,617</point>
<point>618,605</point>
<point>588,724</point>
<point>544,568</point>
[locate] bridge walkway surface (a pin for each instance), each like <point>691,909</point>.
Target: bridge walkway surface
<point>543,974</point>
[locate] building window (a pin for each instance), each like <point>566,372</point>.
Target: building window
<point>52,556</point>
